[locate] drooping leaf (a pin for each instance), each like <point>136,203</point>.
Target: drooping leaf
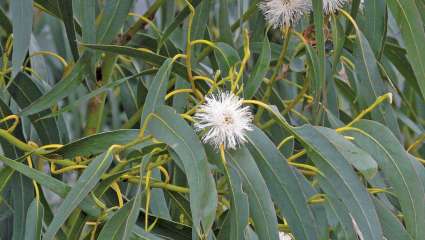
<point>168,127</point>
<point>371,85</point>
<point>60,90</point>
<point>410,23</point>
<point>34,221</point>
<point>393,229</point>
<point>24,92</point>
<point>261,206</point>
<point>51,183</point>
<point>397,169</point>
<point>120,226</point>
<point>337,171</point>
<point>284,187</point>
<point>86,182</point>
<point>113,17</point>
<point>256,78</point>
<point>157,90</point>
<point>22,29</point>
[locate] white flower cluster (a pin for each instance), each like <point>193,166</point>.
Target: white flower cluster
<point>284,236</point>
<point>225,120</point>
<point>280,13</point>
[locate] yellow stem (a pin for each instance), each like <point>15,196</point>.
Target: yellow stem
<point>117,190</point>
<point>15,119</point>
<point>34,183</point>
<point>284,141</point>
<point>378,101</point>
<point>206,79</point>
<point>53,169</point>
<point>245,59</point>
<point>189,45</point>
<point>148,199</point>
<point>318,198</point>
<point>165,173</point>
<point>153,224</point>
<point>48,53</point>
<point>297,155</point>
<point>306,166</point>
<point>177,91</point>
<point>177,56</point>
<point>97,201</point>
<point>418,141</point>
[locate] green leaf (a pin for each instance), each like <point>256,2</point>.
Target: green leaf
<point>226,35</point>
<point>200,21</point>
<point>166,229</point>
<point>319,81</point>
<point>373,24</point>
<point>336,169</point>
<point>61,89</point>
<point>398,171</point>
<point>370,84</point>
<point>21,12</point>
<point>411,26</point>
<point>360,159</point>
<point>96,92</point>
<point>86,182</point>
<point>226,56</point>
<point>22,195</point>
<point>87,9</point>
<point>398,58</point>
<point>120,226</point>
<point>261,206</point>
<point>339,212</point>
<point>8,149</point>
<point>51,183</point>
<point>95,144</point>
<point>260,69</point>
<point>147,56</point>
<point>49,6</point>
<point>6,174</point>
<point>88,20</point>
<point>67,15</point>
<point>24,92</point>
<point>239,208</point>
<point>177,21</point>
<point>157,90</point>
<point>113,17</point>
<point>140,234</point>
<point>393,228</point>
<point>166,126</point>
<point>34,221</point>
<point>284,187</point>
<point>5,22</point>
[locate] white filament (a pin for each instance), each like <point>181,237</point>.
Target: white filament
<point>225,120</point>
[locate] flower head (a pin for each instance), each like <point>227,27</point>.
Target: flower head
<point>284,236</point>
<point>330,6</point>
<point>282,13</point>
<point>225,120</point>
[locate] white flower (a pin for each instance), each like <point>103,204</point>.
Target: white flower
<point>280,13</point>
<point>225,120</point>
<point>330,6</point>
<point>284,236</point>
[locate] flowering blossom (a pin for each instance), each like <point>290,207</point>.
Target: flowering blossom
<point>225,120</point>
<point>284,236</point>
<point>330,6</point>
<point>281,13</point>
